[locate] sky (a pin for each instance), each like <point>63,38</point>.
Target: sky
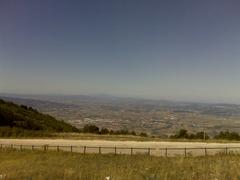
<point>158,49</point>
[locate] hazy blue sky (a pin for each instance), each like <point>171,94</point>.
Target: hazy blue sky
<point>173,49</point>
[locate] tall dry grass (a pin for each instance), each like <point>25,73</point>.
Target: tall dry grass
<point>63,165</point>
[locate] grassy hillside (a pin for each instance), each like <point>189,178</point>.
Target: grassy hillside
<point>27,118</point>
<point>53,165</point>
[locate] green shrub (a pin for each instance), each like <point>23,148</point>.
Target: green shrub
<point>227,135</point>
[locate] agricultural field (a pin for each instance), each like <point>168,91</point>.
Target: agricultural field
<point>63,165</point>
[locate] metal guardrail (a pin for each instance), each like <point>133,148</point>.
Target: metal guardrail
<point>168,151</point>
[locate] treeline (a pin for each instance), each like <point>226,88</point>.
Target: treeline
<point>183,134</point>
<point>6,131</point>
<point>96,130</point>
<point>227,135</point>
<point>222,135</point>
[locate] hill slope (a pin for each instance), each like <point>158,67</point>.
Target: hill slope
<point>24,117</point>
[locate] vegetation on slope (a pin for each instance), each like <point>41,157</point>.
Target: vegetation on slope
<point>63,165</point>
<point>16,118</point>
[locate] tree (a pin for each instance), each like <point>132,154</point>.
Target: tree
<point>104,131</point>
<point>91,129</point>
<point>227,135</point>
<point>133,133</point>
<point>143,134</point>
<point>200,135</point>
<point>182,133</point>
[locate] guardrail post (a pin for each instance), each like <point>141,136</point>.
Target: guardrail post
<point>149,151</point>
<point>226,150</point>
<point>84,150</point>
<point>71,149</point>
<point>115,150</point>
<point>57,148</point>
<point>166,152</point>
<point>131,151</point>
<point>99,150</point>
<point>45,147</point>
<point>32,147</point>
<point>185,152</point>
<point>205,151</point>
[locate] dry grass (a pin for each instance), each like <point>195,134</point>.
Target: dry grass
<point>62,165</point>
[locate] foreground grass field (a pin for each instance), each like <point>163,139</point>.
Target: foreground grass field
<point>53,165</point>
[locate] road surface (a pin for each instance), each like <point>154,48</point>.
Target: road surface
<point>124,147</point>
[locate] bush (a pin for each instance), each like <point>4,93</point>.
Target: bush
<point>133,133</point>
<point>91,129</point>
<point>183,134</point>
<point>104,131</point>
<point>94,129</point>
<point>227,135</point>
<point>143,134</point>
